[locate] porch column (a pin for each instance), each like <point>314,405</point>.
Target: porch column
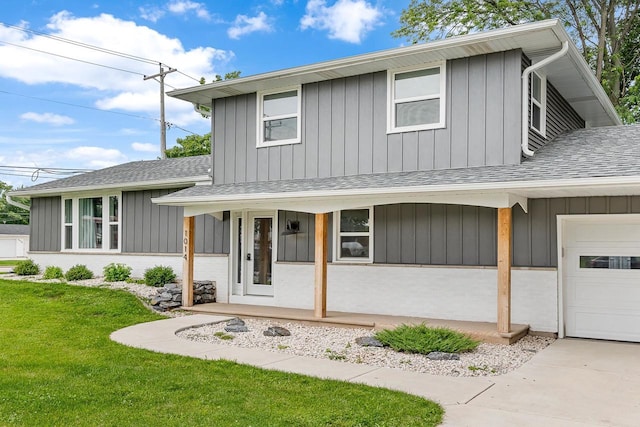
<point>320,298</point>
<point>504,270</point>
<point>188,244</point>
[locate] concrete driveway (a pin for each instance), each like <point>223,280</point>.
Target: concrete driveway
<point>573,382</point>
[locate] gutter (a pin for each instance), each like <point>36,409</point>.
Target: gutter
<point>525,94</point>
<point>16,204</point>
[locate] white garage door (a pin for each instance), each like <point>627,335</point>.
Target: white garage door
<point>7,247</point>
<point>602,279</point>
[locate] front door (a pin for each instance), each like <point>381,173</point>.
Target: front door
<point>257,254</point>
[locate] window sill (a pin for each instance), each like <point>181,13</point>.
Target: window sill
<point>278,143</point>
<point>416,128</point>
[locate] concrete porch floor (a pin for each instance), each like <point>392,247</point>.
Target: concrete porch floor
<point>484,331</point>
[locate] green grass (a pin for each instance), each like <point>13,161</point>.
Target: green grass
<point>423,339</point>
<point>59,367</point>
<point>8,262</point>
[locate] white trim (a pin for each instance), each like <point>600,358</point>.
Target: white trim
<point>106,223</point>
<point>541,103</point>
<point>391,98</point>
<point>260,143</point>
<point>337,249</point>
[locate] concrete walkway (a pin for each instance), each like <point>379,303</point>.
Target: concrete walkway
<point>570,383</point>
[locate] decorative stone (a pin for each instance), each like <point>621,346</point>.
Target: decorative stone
<point>276,331</point>
<point>236,328</point>
<point>440,355</point>
<point>368,342</point>
<point>235,321</point>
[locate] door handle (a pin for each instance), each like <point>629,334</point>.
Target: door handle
<point>248,257</point>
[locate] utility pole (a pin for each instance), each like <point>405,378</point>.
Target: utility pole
<point>163,123</point>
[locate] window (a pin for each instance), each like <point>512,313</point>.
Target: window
<point>417,99</point>
<point>92,223</point>
<point>538,103</point>
<point>279,117</point>
<point>354,235</point>
<point>611,262</point>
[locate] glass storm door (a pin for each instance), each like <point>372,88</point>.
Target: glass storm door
<point>259,254</point>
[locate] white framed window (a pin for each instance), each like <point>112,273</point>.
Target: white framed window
<point>538,121</point>
<point>416,98</point>
<point>279,118</point>
<point>353,235</point>
<point>91,223</point>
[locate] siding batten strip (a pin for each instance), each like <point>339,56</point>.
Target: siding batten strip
<point>320,297</point>
<point>188,246</point>
<point>504,270</point>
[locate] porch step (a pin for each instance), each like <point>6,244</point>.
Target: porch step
<point>483,331</point>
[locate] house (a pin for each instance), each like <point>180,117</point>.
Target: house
<point>14,241</point>
<point>107,216</point>
<point>484,177</point>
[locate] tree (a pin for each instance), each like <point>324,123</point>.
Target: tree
<point>228,76</point>
<point>606,32</point>
<point>192,145</point>
<point>10,214</point>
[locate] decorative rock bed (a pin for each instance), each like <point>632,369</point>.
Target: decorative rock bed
<point>170,295</point>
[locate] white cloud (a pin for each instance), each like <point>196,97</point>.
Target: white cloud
<point>245,25</point>
<point>96,157</point>
<point>152,14</point>
<point>145,147</point>
<point>181,7</point>
<point>113,89</point>
<point>347,20</point>
<point>50,118</point>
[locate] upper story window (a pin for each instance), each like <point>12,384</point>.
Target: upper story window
<point>92,223</point>
<point>354,235</point>
<point>416,99</point>
<point>279,117</point>
<point>538,121</point>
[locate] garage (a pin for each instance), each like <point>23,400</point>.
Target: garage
<point>601,277</point>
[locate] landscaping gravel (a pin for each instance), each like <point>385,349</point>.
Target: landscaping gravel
<point>338,343</point>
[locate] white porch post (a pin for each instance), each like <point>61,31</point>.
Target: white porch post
<point>504,270</point>
<point>188,246</point>
<point>320,297</point>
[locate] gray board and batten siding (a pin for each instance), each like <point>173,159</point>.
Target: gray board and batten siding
<point>45,224</point>
<point>344,127</point>
<point>561,117</point>
<point>439,234</point>
<point>146,227</point>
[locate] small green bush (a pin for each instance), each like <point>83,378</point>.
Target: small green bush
<point>78,272</point>
<point>52,272</point>
<point>116,272</point>
<point>26,268</point>
<point>423,339</point>
<point>135,280</point>
<point>159,276</point>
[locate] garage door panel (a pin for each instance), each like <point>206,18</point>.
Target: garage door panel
<point>602,279</point>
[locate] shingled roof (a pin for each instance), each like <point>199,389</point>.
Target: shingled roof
<point>606,152</point>
<point>140,174</point>
<point>14,229</point>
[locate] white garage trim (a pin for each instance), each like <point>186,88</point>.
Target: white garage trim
<point>563,222</point>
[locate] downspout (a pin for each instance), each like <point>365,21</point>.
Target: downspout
<point>16,204</point>
<point>525,94</point>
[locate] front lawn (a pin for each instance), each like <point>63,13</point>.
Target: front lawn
<point>8,262</point>
<point>59,367</point>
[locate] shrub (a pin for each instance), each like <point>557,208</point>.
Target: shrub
<point>159,276</point>
<point>116,272</point>
<point>423,339</point>
<point>53,272</point>
<point>26,268</point>
<point>78,272</point>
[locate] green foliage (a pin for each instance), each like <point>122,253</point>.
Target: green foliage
<point>223,336</point>
<point>135,280</point>
<point>611,53</point>
<point>159,276</point>
<point>116,272</point>
<point>78,272</point>
<point>66,371</point>
<point>52,272</point>
<point>423,339</point>
<point>10,214</point>
<point>192,145</point>
<point>26,268</point>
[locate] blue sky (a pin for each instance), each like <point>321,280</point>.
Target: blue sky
<point>41,123</point>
